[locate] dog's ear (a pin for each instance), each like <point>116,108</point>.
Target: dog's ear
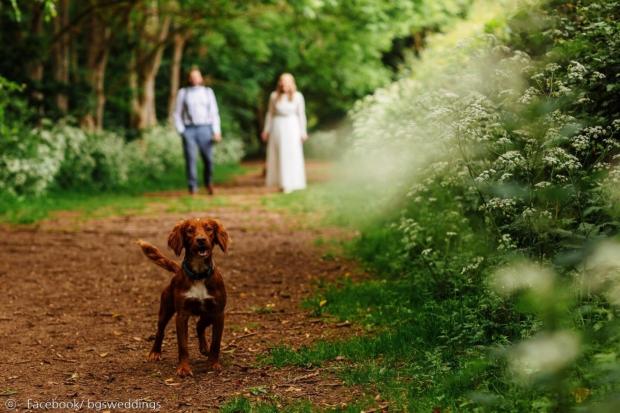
<point>221,235</point>
<point>175,239</point>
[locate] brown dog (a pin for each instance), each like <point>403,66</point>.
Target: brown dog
<point>197,288</point>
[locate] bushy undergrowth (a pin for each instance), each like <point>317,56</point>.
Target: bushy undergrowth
<point>63,157</point>
<point>491,186</point>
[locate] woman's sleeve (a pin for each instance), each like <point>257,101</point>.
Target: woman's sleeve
<point>301,114</point>
<point>269,114</point>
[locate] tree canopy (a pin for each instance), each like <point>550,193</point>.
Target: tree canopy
<point>117,63</point>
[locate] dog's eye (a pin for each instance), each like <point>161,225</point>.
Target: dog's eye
<point>190,230</point>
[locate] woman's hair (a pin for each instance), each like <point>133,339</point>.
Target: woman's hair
<point>290,93</point>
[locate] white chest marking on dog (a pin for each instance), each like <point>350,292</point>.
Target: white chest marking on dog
<point>198,291</point>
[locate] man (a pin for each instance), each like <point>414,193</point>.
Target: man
<point>197,119</point>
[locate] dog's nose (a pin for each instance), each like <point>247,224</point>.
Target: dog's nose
<point>201,240</point>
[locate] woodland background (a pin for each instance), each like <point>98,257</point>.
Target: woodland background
<point>477,145</point>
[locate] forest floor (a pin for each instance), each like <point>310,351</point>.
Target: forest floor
<point>79,306</point>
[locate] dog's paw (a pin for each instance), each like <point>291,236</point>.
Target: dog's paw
<point>184,370</point>
<point>215,365</point>
<point>154,356</point>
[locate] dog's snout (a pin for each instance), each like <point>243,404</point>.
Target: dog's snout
<point>201,240</point>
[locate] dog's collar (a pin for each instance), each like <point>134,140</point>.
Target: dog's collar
<point>197,275</point>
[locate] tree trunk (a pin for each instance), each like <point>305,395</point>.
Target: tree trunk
<point>99,83</point>
<point>61,55</point>
<point>145,65</point>
<point>175,72</point>
<point>132,77</point>
<point>34,67</point>
<point>96,62</point>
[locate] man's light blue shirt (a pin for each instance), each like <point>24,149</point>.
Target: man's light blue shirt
<point>196,105</point>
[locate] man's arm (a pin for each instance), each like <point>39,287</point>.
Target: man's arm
<point>215,115</point>
<point>178,111</point>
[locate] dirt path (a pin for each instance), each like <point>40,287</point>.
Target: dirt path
<point>79,307</point>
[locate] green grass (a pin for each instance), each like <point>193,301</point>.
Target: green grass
<point>192,204</point>
<point>177,180</point>
<point>415,352</point>
<point>432,357</point>
<point>298,202</point>
<point>429,327</point>
<point>335,203</point>
<point>273,405</point>
<point>90,203</point>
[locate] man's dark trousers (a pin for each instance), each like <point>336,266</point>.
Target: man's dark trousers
<point>198,138</point>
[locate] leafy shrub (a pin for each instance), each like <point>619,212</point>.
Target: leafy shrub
<point>13,107</point>
<point>77,168</point>
<point>28,158</point>
<point>229,151</point>
<point>28,161</point>
<point>159,152</point>
<point>68,158</point>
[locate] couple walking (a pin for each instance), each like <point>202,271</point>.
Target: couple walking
<point>197,120</point>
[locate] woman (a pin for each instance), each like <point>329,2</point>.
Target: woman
<point>197,119</point>
<point>285,132</point>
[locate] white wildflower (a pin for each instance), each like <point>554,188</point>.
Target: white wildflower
<point>576,71</point>
<point>552,67</point>
<point>559,158</point>
<point>545,353</point>
<point>505,177</point>
<point>542,184</point>
<point>602,270</point>
<point>522,275</point>
<point>473,265</point>
<point>503,205</point>
<point>529,95</point>
<point>580,143</point>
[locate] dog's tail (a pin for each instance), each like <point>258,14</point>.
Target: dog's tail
<point>158,258</point>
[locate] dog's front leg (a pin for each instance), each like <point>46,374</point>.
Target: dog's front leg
<point>183,368</point>
<point>203,323</point>
<point>166,311</point>
<point>216,340</point>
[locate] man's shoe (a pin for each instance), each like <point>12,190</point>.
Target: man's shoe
<point>210,189</point>
<point>193,191</point>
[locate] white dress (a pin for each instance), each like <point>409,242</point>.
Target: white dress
<point>286,124</point>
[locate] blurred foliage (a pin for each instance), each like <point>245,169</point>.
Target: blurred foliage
<point>13,108</point>
<point>485,187</point>
<point>335,48</point>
